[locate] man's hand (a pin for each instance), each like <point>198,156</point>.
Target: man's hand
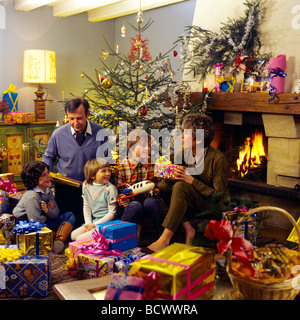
<point>183,175</point>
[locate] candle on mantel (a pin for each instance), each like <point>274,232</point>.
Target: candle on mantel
<point>63,95</point>
<point>205,87</point>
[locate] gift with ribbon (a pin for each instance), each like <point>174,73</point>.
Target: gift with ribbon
<point>187,272</point>
<point>277,67</point>
<point>26,277</point>
<point>225,233</point>
<point>7,223</point>
<point>11,97</point>
<point>19,117</point>
<point>121,235</point>
<point>8,186</point>
<point>62,178</point>
<point>218,72</point>
<point>166,170</point>
<point>124,288</point>
<point>123,265</point>
<point>33,238</point>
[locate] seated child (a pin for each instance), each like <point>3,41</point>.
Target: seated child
<point>135,168</point>
<point>99,198</point>
<point>38,203</point>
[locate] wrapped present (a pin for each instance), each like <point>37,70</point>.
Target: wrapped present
<point>91,265</point>
<point>277,67</point>
<point>11,97</point>
<point>123,265</point>
<point>19,117</point>
<point>7,176</point>
<point>26,277</point>
<point>94,266</point>
<point>75,247</point>
<point>62,178</point>
<point>7,223</point>
<point>124,288</point>
<point>166,170</point>
<point>33,238</point>
<point>186,272</point>
<point>8,186</point>
<point>121,235</point>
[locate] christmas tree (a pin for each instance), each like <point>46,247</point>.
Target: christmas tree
<point>136,88</point>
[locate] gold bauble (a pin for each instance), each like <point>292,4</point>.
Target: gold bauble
<point>107,83</point>
<point>105,54</point>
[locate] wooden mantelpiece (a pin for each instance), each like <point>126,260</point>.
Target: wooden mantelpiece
<point>284,103</point>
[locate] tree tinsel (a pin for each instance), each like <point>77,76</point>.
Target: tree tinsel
<point>136,88</point>
<point>203,48</point>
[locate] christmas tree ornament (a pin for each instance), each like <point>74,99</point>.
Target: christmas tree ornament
<point>123,31</point>
<point>143,112</point>
<point>82,75</point>
<point>106,83</point>
<point>139,18</point>
<point>86,90</point>
<point>105,54</point>
<point>141,86</point>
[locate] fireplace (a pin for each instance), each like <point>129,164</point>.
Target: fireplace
<point>276,181</point>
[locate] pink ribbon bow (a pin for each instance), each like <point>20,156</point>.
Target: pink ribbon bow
<point>152,285</point>
<point>7,186</point>
<point>99,246</point>
<point>223,231</point>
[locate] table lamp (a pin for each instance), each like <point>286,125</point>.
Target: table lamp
<point>39,67</point>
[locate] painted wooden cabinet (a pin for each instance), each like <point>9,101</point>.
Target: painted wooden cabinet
<point>24,143</point>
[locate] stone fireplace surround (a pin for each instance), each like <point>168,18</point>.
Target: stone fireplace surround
<point>281,121</point>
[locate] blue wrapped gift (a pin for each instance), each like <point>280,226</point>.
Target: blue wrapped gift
<point>121,234</point>
<point>11,97</point>
<point>27,276</point>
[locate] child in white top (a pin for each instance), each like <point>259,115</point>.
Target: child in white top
<point>99,198</point>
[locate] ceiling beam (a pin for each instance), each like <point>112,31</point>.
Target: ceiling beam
<point>126,7</point>
<point>27,5</point>
<point>70,7</point>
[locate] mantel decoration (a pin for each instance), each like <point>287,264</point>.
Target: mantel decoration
<point>237,41</point>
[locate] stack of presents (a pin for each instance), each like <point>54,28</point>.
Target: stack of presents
<point>12,115</point>
<point>176,272</point>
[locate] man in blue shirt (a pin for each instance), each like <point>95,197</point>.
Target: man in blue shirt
<point>69,148</point>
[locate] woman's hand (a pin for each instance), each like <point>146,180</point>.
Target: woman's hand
<point>123,201</point>
<point>183,175</point>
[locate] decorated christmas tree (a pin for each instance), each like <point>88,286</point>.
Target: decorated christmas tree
<point>139,89</point>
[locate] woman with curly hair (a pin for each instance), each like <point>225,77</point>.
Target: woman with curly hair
<point>38,203</point>
<point>204,173</point>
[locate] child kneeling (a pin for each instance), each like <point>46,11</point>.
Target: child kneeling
<point>99,198</point>
<point>38,204</point>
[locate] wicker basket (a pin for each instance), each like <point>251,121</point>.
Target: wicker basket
<point>261,289</point>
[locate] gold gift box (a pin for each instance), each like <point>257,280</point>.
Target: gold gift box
<point>19,117</point>
<point>35,243</point>
<point>187,272</point>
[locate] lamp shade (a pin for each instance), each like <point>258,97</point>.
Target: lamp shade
<point>39,66</point>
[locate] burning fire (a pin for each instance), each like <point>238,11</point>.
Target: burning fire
<point>252,154</point>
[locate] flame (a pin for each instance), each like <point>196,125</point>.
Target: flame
<point>251,156</point>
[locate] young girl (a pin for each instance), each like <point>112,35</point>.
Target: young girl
<point>38,203</point>
<point>99,198</point>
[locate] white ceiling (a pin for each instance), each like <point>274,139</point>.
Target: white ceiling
<point>97,10</point>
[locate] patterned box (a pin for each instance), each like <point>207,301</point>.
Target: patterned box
<point>26,277</point>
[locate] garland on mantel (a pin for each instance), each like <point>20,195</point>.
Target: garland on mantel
<point>202,48</point>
